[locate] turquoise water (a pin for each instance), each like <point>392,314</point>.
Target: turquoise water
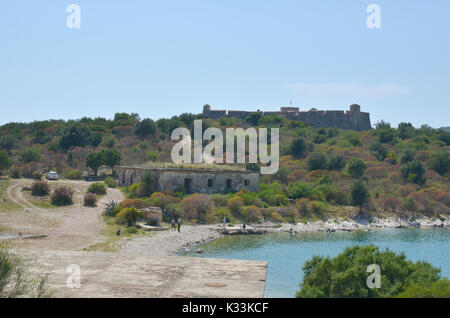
<point>286,253</point>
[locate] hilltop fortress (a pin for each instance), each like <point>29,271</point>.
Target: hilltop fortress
<point>350,119</point>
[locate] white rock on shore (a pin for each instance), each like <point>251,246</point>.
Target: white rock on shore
<point>334,225</point>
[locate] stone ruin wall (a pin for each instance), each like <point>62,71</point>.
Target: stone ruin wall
<point>351,119</point>
<point>202,181</point>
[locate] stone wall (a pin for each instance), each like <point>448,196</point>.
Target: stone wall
<point>193,181</point>
<point>351,119</point>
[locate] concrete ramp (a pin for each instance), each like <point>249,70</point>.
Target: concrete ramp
<point>123,275</point>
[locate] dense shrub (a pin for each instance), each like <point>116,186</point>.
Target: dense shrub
<point>98,188</point>
<point>299,189</point>
<point>112,208</point>
<point>5,161</point>
<point>74,135</point>
<point>17,280</point>
<point>235,205</point>
<point>440,162</point>
<point>196,206</point>
<point>62,196</point>
<point>356,168</point>
<point>145,127</point>
<point>273,194</point>
<point>40,188</point>
<point>378,150</point>
<point>128,216</point>
<point>30,155</point>
<point>251,214</point>
<point>219,199</point>
<point>14,173</point>
<point>162,200</point>
<point>37,175</point>
<point>336,162</point>
<point>413,171</point>
<point>317,161</point>
<point>133,203</point>
<point>90,199</point>
<point>391,204</point>
<point>346,274</point>
<point>224,213</point>
<point>110,182</point>
<point>444,197</point>
<point>74,174</point>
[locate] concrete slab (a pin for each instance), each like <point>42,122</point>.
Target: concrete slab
<point>122,275</point>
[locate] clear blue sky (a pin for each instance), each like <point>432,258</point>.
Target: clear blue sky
<point>162,58</point>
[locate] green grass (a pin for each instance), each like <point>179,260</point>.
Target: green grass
<point>203,166</point>
<point>4,228</point>
<point>112,243</point>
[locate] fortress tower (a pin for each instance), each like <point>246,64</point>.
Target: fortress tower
<point>351,119</point>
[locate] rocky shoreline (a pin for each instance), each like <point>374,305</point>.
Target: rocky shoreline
<point>167,243</point>
<point>363,224</point>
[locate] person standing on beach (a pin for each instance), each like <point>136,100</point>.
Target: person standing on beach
<point>179,224</point>
<point>173,224</point>
<point>224,222</point>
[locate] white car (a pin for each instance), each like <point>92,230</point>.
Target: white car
<point>52,175</point>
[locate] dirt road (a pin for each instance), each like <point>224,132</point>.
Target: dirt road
<point>68,228</point>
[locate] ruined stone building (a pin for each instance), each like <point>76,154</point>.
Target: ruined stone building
<point>350,119</point>
<point>193,180</point>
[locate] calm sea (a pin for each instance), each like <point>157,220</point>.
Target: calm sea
<point>286,253</point>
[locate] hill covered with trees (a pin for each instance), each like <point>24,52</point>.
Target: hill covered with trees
<point>400,170</point>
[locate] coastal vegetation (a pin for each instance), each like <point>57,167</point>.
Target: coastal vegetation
<point>346,275</point>
<point>16,279</point>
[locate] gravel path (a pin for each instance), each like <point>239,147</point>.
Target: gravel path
<point>167,243</point>
<point>68,228</point>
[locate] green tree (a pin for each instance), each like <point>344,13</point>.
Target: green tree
<point>94,161</point>
<point>359,194</point>
<point>299,189</point>
<point>407,155</point>
<point>378,150</point>
<point>95,140</point>
<point>413,171</point>
<point>336,162</point>
<point>346,274</point>
<point>440,162</point>
<point>298,147</point>
<point>74,135</point>
<point>7,142</point>
<point>5,162</point>
<point>386,135</point>
<point>145,127</point>
<point>405,130</point>
<point>437,289</point>
<point>30,155</point>
<point>382,124</point>
<point>253,118</point>
<point>356,168</point>
<point>111,157</point>
<point>317,161</point>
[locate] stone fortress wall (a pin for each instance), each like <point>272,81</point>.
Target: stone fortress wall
<point>350,119</point>
<point>193,180</point>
